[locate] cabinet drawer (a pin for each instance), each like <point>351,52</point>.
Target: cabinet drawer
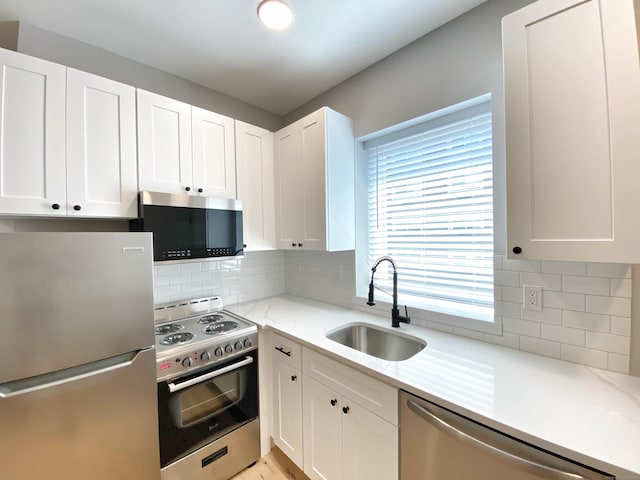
<point>375,396</point>
<point>286,351</point>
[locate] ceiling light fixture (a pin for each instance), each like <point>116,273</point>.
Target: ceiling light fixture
<point>275,14</point>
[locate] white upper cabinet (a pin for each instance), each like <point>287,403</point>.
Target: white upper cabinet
<point>164,144</point>
<point>255,182</point>
<point>572,95</point>
<point>184,149</point>
<point>315,198</point>
<point>32,127</point>
<point>102,177</point>
<point>214,154</point>
<point>95,175</point>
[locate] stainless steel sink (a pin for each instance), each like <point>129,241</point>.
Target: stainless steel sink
<point>377,341</point>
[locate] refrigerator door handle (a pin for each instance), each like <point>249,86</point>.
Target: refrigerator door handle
<point>54,379</point>
<point>174,387</point>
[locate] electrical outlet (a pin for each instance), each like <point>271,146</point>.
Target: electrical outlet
<point>532,297</point>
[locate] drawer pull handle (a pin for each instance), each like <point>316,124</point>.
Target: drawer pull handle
<point>334,402</point>
<point>294,378</point>
<point>282,350</point>
<point>345,410</point>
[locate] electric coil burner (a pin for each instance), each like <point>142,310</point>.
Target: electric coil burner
<point>169,328</point>
<point>216,317</point>
<point>177,338</point>
<point>207,372</point>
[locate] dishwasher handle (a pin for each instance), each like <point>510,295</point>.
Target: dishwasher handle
<point>529,465</point>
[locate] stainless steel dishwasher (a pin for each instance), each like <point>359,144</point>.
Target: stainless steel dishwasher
<point>436,443</point>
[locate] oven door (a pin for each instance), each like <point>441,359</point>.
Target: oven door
<point>198,408</point>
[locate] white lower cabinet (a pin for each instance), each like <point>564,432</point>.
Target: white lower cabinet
<point>349,422</point>
<point>334,422</point>
<point>287,410</point>
<point>322,426</point>
<point>343,440</point>
<point>286,428</point>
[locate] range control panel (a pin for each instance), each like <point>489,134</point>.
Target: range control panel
<point>188,360</point>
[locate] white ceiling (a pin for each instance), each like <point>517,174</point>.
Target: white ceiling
<point>221,44</point>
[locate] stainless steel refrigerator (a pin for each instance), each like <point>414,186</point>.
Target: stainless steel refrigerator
<point>77,361</point>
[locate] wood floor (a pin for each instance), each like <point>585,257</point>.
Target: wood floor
<point>273,466</point>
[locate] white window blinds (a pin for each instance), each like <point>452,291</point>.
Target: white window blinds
<point>430,207</point>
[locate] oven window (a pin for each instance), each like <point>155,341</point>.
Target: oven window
<point>209,398</point>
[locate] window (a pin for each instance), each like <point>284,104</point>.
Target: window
<point>430,207</point>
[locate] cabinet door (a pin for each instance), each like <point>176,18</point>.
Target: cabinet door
<point>289,192</point>
<point>313,180</point>
<point>572,94</point>
<point>32,145</point>
<point>164,144</point>
<point>322,432</point>
<point>370,445</point>
<point>255,182</point>
<point>214,154</point>
<point>102,178</point>
<point>287,411</point>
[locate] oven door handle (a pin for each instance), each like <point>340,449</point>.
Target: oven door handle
<point>174,387</point>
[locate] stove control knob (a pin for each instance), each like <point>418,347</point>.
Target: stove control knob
<point>238,345</point>
<point>187,362</point>
<point>228,348</point>
<point>247,343</point>
<point>219,352</point>
<point>205,357</point>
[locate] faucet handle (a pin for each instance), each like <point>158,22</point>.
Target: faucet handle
<point>370,300</point>
<point>406,315</point>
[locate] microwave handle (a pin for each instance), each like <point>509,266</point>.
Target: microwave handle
<point>174,387</point>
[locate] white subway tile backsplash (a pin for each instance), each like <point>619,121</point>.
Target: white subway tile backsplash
<point>521,327</point>
<point>590,285</point>
<point>509,264</point>
<point>180,279</point>
<point>538,346</point>
<point>565,268</point>
<point>609,305</point>
<point>586,321</point>
<point>190,267</point>
<point>621,326</point>
<point>621,287</point>
<point>508,309</point>
<point>199,276</point>
<point>585,356</point>
<point>259,274</point>
<point>561,334</point>
<point>618,363</point>
<point>507,339</point>
<point>512,294</point>
<point>612,270</point>
<point>162,293</point>
<point>546,281</point>
<point>546,315</point>
<point>165,270</point>
<point>585,316</point>
<point>565,301</point>
<point>608,342</point>
<point>507,279</point>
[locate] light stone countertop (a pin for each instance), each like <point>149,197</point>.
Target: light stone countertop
<point>586,414</point>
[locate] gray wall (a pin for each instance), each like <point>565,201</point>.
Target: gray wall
<point>66,51</point>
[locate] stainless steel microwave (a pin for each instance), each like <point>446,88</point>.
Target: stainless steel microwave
<point>190,227</point>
